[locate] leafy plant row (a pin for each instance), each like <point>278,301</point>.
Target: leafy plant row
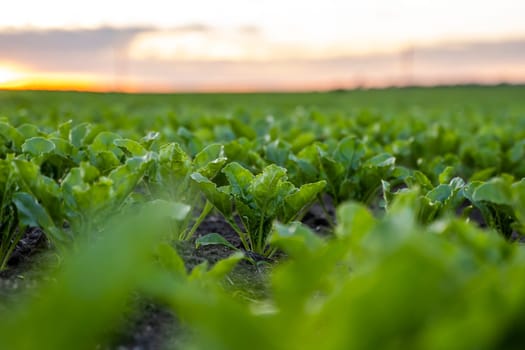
<point>377,283</point>
<point>70,181</point>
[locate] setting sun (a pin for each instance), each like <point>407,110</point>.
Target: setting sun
<point>9,75</point>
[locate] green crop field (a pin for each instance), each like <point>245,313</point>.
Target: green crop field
<point>366,219</point>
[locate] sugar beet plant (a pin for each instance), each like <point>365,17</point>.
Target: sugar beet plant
<point>257,200</point>
<point>169,179</point>
<point>81,203</point>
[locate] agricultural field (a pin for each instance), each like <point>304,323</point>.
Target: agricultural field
<point>366,219</point>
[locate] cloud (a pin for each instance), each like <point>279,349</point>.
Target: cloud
<point>244,57</point>
<point>74,49</point>
<point>79,40</point>
<point>507,51</point>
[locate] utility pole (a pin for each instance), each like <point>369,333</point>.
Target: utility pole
<point>407,66</point>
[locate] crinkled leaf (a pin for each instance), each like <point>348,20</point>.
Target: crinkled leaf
<point>239,179</point>
<point>295,202</point>
<point>349,152</point>
<point>208,154</point>
<point>267,186</point>
<point>173,157</point>
<point>210,160</point>
<point>105,161</point>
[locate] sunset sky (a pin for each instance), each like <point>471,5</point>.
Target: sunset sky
<point>232,45</point>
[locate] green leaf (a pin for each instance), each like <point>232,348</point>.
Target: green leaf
<point>518,193</point>
<point>89,173</point>
<point>239,179</point>
<point>173,157</point>
<point>208,154</point>
<point>483,175</point>
<point>354,220</point>
<point>218,197</point>
<point>495,191</point>
<point>225,266</point>
<point>171,260</point>
<point>29,130</point>
<point>440,194</point>
<point>277,152</point>
<point>210,160</point>
<point>242,151</point>
<point>163,208</point>
<point>105,141</point>
<point>133,147</point>
<point>421,180</point>
<point>303,140</point>
<point>334,174</point>
<point>62,147</point>
<point>31,213</point>
<point>242,129</point>
<point>267,186</point>
<point>43,188</point>
<point>295,202</point>
<point>36,146</point>
<point>126,177</point>
<point>78,134</point>
<point>105,161</point>
<point>349,152</point>
<point>64,129</point>
<point>446,175</point>
<point>213,239</point>
<point>295,239</point>
<point>302,170</point>
<point>381,161</point>
<point>11,134</point>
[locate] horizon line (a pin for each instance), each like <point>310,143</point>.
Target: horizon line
<point>268,91</point>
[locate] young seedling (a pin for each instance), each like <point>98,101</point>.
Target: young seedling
<point>257,201</point>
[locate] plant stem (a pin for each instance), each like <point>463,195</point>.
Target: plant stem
<point>239,232</point>
<point>259,248</point>
<point>207,208</point>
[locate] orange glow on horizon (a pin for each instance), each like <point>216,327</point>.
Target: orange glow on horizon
<point>19,79</point>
